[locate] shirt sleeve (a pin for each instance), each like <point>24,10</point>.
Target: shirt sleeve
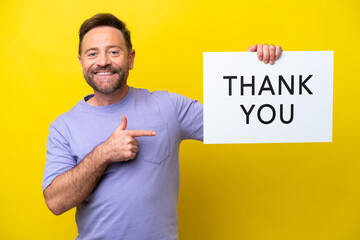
<point>58,157</point>
<point>190,116</point>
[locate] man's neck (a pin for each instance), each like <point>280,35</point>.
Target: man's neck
<point>100,99</point>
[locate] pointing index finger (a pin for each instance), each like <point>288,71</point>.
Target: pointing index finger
<point>141,133</point>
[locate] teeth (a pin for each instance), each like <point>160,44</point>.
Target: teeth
<point>104,73</point>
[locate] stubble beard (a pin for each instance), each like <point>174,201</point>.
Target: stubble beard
<point>108,89</point>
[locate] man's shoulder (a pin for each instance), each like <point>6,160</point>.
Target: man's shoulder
<point>62,118</point>
<point>144,91</point>
<point>158,93</point>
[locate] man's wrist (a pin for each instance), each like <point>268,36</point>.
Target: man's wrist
<point>101,155</point>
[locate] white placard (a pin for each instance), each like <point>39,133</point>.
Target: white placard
<point>247,101</point>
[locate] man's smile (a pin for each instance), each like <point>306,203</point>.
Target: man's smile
<point>108,73</point>
<point>104,73</point>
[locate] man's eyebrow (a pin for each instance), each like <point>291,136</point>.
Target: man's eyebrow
<point>90,49</point>
<point>114,46</point>
<point>108,47</point>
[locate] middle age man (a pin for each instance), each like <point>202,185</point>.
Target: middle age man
<point>115,154</point>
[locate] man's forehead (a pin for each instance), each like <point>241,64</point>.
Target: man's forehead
<point>104,34</point>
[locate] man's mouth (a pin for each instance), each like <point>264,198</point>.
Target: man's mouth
<point>104,73</point>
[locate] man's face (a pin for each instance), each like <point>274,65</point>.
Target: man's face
<point>105,60</point>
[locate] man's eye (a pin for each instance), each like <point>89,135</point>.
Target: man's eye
<point>114,52</point>
<point>92,54</point>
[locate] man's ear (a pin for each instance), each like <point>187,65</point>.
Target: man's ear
<point>79,58</point>
<point>131,59</point>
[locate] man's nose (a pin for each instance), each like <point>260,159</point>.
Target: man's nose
<point>103,60</point>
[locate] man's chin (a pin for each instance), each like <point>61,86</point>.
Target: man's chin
<point>107,91</point>
<point>106,87</point>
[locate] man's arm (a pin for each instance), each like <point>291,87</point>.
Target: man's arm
<point>190,112</point>
<point>72,187</point>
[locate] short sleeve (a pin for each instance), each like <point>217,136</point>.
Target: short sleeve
<point>58,157</point>
<point>190,116</point>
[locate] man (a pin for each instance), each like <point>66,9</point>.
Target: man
<point>115,154</point>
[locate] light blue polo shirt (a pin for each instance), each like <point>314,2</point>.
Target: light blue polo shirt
<point>137,199</point>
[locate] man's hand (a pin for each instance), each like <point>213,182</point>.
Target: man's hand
<point>122,145</point>
<point>266,53</point>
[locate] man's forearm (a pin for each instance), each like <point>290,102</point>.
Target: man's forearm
<point>72,187</point>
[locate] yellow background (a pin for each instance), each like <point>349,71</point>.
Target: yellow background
<point>241,191</point>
